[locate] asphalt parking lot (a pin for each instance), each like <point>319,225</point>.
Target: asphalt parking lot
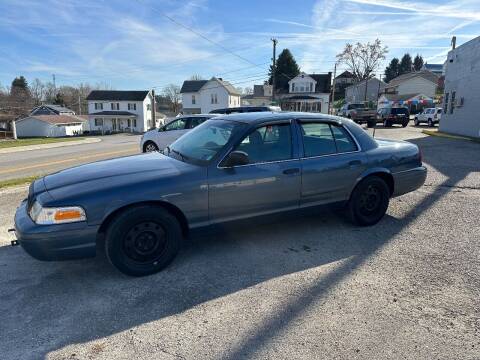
<point>302,288</point>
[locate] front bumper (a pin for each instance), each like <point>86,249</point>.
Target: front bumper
<point>409,180</point>
<point>54,242</point>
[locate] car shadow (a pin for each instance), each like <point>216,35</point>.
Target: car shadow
<point>47,306</point>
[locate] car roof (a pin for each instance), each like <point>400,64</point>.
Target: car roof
<point>262,116</point>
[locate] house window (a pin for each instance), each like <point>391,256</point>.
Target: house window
<point>135,123</point>
<point>193,99</point>
<point>452,102</point>
<point>214,99</point>
<point>445,103</point>
<point>293,87</point>
<point>149,107</point>
<point>98,122</point>
<point>115,106</point>
<point>311,87</point>
<point>132,106</point>
<point>98,106</point>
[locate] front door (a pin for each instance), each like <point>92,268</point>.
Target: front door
<point>331,163</point>
<point>269,183</point>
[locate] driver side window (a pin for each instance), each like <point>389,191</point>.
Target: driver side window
<point>268,143</point>
<point>176,125</point>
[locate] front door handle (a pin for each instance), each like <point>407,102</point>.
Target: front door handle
<point>354,163</point>
<point>291,171</point>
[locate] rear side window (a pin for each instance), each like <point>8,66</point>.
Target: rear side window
<point>324,139</point>
<point>343,140</point>
<point>317,139</point>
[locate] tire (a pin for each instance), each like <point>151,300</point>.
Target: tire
<point>430,122</point>
<point>150,146</point>
<point>370,123</point>
<point>143,240</point>
<point>416,122</point>
<point>369,201</point>
<point>405,123</point>
<point>386,123</point>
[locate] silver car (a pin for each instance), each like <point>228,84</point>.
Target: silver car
<point>159,139</point>
<point>431,116</point>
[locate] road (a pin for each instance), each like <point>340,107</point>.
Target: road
<point>301,288</point>
<point>40,162</point>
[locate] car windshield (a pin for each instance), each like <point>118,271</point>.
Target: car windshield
<point>201,144</point>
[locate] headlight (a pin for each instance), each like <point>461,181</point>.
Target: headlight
<point>59,215</point>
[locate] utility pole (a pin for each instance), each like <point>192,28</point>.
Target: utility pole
<point>54,85</point>
<point>330,110</point>
<point>366,89</point>
<point>154,120</point>
<point>274,69</point>
<point>79,105</point>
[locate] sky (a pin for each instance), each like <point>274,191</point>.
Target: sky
<point>144,44</point>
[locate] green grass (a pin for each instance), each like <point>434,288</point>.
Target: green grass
<point>19,181</point>
<point>35,141</point>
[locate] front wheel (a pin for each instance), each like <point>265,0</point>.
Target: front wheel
<point>416,122</point>
<point>386,123</point>
<point>430,122</point>
<point>143,240</point>
<point>369,201</point>
<point>150,146</point>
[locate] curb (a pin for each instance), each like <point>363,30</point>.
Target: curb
<point>48,146</point>
<point>449,136</point>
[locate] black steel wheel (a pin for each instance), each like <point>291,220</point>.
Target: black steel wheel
<point>369,201</point>
<point>143,240</point>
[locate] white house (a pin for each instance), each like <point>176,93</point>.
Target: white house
<point>307,92</point>
<point>49,126</point>
<point>120,111</point>
<point>418,82</point>
<point>203,96</point>
<point>461,98</point>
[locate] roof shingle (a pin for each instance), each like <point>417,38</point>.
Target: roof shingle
<point>118,95</point>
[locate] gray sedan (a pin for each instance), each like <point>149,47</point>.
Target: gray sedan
<point>234,167</point>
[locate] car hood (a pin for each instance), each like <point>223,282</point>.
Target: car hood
<point>130,165</point>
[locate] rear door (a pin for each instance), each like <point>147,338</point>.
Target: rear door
<point>331,162</point>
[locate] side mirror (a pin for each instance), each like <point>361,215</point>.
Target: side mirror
<point>236,158</point>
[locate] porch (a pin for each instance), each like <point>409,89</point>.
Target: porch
<point>114,123</point>
<point>304,103</point>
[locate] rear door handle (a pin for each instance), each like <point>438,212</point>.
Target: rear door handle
<point>291,171</point>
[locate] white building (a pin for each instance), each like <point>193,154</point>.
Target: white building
<point>203,96</point>
<point>417,82</point>
<point>372,88</point>
<point>307,92</point>
<point>120,111</point>
<point>461,99</point>
<point>49,126</point>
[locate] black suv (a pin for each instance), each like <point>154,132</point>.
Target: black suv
<point>395,115</point>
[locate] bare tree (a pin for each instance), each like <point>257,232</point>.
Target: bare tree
<point>172,92</point>
<point>248,90</point>
<point>37,90</point>
<point>196,77</point>
<point>362,59</point>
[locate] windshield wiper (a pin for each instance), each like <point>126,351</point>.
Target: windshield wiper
<point>179,154</point>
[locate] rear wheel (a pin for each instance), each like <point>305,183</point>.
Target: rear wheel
<point>386,123</point>
<point>369,201</point>
<point>150,146</point>
<point>405,123</point>
<point>430,122</point>
<point>143,240</point>
<point>416,122</point>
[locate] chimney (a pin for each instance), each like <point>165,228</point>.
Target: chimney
<point>454,42</point>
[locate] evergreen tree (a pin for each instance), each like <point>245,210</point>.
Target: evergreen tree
<point>392,70</point>
<point>418,63</point>
<point>286,69</point>
<point>406,64</point>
